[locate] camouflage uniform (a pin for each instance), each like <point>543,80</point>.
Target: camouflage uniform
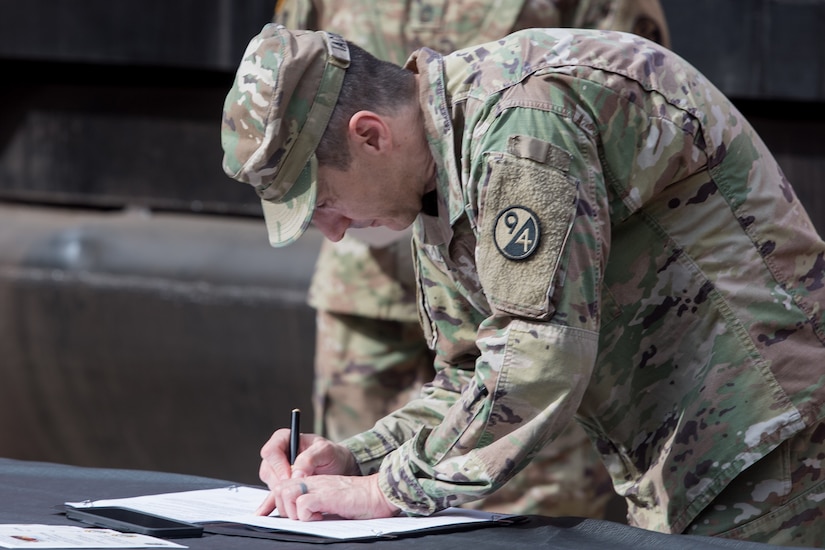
<point>612,241</point>
<point>371,356</point>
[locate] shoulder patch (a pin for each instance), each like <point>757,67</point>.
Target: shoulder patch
<point>516,232</point>
<point>527,212</point>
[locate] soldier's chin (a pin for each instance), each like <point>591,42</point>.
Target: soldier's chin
<point>379,237</point>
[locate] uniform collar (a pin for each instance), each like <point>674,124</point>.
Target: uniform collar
<point>438,125</point>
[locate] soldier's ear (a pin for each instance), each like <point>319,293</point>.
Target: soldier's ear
<point>370,132</point>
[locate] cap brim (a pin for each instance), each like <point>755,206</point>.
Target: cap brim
<point>287,220</point>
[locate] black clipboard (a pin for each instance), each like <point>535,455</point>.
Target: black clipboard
<point>241,530</point>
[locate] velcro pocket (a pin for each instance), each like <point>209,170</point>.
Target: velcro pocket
<point>527,212</point>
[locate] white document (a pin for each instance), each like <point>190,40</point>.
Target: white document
<point>191,506</point>
<point>362,528</point>
<point>66,536</point>
<point>238,505</point>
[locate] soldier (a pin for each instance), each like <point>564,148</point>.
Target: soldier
<point>597,231</point>
<point>371,356</point>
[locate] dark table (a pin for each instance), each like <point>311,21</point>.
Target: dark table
<point>33,492</point>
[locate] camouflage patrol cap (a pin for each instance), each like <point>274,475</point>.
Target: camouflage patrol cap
<point>274,115</point>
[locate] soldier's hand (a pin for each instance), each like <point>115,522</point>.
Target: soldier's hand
<point>310,498</point>
<point>316,455</point>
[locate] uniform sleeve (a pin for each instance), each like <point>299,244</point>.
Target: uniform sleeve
<point>478,427</point>
<point>515,358</point>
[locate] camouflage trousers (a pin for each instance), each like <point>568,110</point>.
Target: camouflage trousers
<point>779,500</point>
<point>366,368</point>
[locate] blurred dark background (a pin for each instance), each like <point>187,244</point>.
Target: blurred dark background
<point>144,320</point>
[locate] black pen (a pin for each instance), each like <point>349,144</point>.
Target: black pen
<point>294,435</point>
